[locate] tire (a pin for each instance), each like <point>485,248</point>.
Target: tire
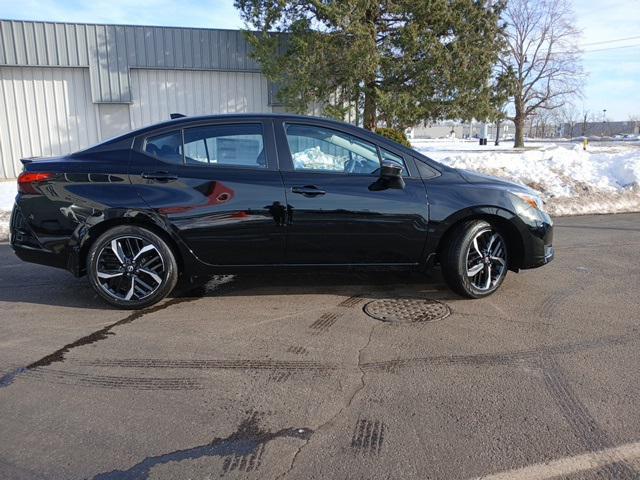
<point>475,270</point>
<point>131,267</point>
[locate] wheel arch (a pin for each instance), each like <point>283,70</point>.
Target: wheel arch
<point>90,233</point>
<point>500,218</point>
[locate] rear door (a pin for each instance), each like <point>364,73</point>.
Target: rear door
<point>336,215</point>
<point>217,184</point>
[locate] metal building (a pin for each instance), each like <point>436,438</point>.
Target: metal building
<point>66,86</point>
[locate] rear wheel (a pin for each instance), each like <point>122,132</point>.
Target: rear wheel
<point>474,263</point>
<point>131,267</point>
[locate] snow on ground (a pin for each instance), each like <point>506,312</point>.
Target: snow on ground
<point>7,194</point>
<point>603,179</point>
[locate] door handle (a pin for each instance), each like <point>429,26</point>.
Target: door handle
<point>159,176</point>
<point>308,191</point>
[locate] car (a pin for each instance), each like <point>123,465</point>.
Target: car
<point>198,196</point>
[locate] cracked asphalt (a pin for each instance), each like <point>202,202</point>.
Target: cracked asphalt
<point>284,375</point>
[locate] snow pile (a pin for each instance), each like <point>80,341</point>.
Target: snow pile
<point>7,195</point>
<point>604,179</point>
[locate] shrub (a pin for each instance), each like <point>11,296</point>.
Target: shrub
<point>395,135</point>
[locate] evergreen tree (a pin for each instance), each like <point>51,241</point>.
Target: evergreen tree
<point>403,60</point>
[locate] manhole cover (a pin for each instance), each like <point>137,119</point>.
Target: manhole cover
<point>406,310</point>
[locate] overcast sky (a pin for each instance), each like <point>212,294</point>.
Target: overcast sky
<point>613,81</point>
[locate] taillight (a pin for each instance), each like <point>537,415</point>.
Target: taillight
<point>26,181</point>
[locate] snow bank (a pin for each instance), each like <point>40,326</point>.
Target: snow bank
<point>604,179</point>
<point>7,194</point>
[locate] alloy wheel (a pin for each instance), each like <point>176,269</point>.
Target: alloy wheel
<point>130,268</point>
<point>486,260</point>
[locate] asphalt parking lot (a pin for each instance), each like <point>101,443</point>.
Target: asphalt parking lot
<point>286,376</point>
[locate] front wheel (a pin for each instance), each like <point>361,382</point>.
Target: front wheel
<point>131,267</point>
<point>474,263</point>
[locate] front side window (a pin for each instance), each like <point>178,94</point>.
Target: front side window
<point>166,147</point>
<point>322,149</point>
<point>225,145</point>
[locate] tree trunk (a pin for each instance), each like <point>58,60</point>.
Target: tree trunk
<point>369,114</point>
<point>498,125</point>
<point>370,103</point>
<point>519,122</point>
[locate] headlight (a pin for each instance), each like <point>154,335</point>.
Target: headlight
<point>533,200</point>
<point>528,205</point>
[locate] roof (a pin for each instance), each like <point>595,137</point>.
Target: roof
<point>179,122</point>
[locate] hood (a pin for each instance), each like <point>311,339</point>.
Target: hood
<point>480,178</point>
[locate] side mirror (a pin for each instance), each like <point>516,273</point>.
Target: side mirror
<point>390,177</point>
<point>390,170</point>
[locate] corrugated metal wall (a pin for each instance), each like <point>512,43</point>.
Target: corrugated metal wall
<point>46,112</point>
<point>157,93</point>
<point>110,50</point>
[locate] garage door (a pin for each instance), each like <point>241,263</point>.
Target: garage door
<point>157,93</point>
<point>44,112</point>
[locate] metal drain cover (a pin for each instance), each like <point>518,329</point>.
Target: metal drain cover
<point>406,310</point>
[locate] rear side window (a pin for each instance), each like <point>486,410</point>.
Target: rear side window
<point>230,145</point>
<point>166,147</point>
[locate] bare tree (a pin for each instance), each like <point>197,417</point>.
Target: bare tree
<point>568,116</point>
<point>542,55</point>
<point>636,122</point>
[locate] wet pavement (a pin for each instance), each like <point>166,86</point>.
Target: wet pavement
<point>285,376</point>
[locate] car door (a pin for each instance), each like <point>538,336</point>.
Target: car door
<point>217,185</point>
<point>335,213</point>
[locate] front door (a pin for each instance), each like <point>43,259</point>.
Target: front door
<point>218,186</point>
<point>335,213</point>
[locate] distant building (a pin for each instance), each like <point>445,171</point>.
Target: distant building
<point>599,129</point>
<point>450,129</point>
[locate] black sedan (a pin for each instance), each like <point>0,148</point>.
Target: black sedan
<point>196,196</point>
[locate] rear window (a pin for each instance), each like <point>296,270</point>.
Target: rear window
<point>239,145</point>
<point>232,145</point>
<point>166,147</point>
